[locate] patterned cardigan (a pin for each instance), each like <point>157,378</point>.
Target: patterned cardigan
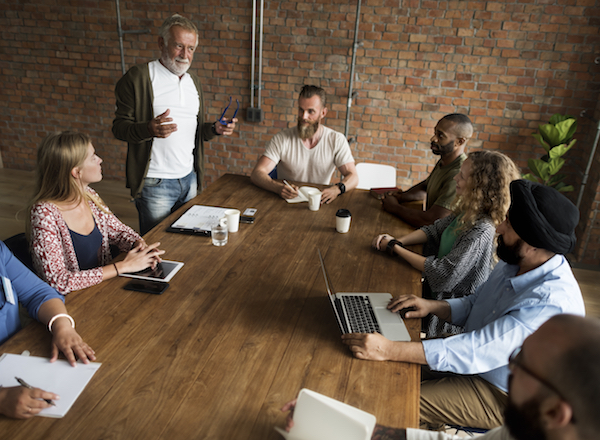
<point>52,249</point>
<point>460,272</point>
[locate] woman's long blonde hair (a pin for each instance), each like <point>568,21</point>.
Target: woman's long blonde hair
<point>57,155</point>
<point>487,193</point>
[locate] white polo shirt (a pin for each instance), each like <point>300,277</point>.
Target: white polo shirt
<point>172,157</point>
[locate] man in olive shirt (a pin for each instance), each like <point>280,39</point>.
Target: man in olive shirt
<point>452,133</point>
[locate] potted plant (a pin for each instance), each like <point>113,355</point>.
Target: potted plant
<point>557,138</point>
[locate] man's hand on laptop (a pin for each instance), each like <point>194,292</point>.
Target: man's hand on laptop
<point>411,306</point>
<point>368,346</point>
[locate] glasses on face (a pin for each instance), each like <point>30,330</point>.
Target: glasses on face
<point>515,360</point>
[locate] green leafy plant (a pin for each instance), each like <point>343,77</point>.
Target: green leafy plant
<point>557,138</point>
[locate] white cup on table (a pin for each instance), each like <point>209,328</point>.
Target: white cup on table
<point>314,200</point>
<point>233,219</point>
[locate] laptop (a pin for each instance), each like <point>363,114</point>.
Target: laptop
<point>364,312</point>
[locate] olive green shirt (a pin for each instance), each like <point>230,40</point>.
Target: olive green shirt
<point>441,187</point>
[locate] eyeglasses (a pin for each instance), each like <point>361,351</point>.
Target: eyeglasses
<point>515,359</point>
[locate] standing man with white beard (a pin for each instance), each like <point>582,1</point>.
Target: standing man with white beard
<point>160,114</point>
<point>309,152</point>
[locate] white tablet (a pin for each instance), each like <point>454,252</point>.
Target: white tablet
<point>163,272</point>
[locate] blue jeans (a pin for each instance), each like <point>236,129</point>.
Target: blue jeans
<point>161,197</point>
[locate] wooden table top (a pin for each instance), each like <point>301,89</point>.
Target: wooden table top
<point>240,331</point>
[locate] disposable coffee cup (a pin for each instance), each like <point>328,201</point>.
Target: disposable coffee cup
<point>342,221</point>
<point>233,219</point>
<point>314,200</point>
<point>218,233</point>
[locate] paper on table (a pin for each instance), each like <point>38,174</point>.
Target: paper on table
<point>303,192</point>
<point>58,377</point>
<point>199,217</point>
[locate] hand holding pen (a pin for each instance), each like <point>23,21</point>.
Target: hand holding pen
<point>24,401</point>
<point>289,191</point>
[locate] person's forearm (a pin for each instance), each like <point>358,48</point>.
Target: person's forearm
<point>415,237</point>
<point>411,216</point>
<point>50,309</point>
<point>415,260</point>
<point>263,181</point>
<point>411,352</point>
<point>417,192</point>
<point>350,181</point>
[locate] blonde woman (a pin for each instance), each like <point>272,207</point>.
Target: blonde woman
<point>71,229</point>
<point>459,248</point>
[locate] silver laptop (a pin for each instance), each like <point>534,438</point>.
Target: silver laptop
<point>364,312</point>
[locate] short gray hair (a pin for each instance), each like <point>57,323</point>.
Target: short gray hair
<point>176,20</point>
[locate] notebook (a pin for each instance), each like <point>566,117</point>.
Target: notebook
<point>318,417</point>
<point>364,312</point>
<point>303,194</point>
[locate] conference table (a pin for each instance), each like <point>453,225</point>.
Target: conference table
<point>241,329</point>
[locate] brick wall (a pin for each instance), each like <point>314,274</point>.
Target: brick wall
<point>508,65</point>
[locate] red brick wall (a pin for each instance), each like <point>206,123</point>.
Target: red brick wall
<point>508,65</point>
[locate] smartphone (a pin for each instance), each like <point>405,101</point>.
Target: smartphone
<point>154,287</point>
<point>248,215</point>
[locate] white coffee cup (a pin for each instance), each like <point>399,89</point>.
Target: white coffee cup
<point>314,200</point>
<point>233,219</point>
<point>342,221</point>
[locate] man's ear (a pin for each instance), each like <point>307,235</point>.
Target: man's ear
<point>555,413</point>
<point>161,43</point>
<point>324,112</point>
<point>461,141</point>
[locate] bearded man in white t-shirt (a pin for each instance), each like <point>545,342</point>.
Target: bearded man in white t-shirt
<point>160,114</point>
<point>308,152</point>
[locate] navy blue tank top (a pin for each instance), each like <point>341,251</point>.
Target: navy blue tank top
<point>87,248</point>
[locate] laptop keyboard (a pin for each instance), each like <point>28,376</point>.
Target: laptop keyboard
<point>360,314</point>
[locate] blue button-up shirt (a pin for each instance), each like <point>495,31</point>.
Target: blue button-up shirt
<point>500,315</point>
<point>27,288</point>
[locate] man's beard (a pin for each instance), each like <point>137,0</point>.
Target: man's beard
<point>510,254</point>
<point>441,150</point>
<point>309,130</point>
<point>174,65</point>
<point>524,422</point>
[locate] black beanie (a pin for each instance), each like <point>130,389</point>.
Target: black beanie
<point>542,216</point>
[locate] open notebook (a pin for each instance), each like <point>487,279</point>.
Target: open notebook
<point>318,417</point>
<point>303,193</point>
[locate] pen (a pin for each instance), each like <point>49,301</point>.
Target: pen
<point>26,385</point>
<point>288,185</point>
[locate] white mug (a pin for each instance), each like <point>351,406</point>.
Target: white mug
<point>233,219</point>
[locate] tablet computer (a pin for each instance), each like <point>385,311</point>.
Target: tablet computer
<point>163,272</point>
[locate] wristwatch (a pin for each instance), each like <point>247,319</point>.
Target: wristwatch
<point>390,246</point>
<point>342,187</point>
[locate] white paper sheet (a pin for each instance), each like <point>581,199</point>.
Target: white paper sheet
<point>58,377</point>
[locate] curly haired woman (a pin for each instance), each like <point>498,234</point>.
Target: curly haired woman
<point>459,248</point>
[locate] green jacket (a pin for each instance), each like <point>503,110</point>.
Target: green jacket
<point>134,111</point>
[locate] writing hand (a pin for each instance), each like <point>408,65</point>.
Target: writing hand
<point>289,192</point>
<point>158,126</point>
<point>23,403</point>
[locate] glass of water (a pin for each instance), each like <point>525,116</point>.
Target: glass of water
<point>219,233</point>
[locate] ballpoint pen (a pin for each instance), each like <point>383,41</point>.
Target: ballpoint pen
<point>26,385</point>
<point>288,185</point>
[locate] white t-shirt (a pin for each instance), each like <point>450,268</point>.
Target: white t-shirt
<point>173,157</point>
<point>296,162</point>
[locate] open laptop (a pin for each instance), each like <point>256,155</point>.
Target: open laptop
<point>364,312</point>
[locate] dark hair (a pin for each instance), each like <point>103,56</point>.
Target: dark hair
<point>463,127</point>
<point>576,372</point>
<point>309,91</point>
